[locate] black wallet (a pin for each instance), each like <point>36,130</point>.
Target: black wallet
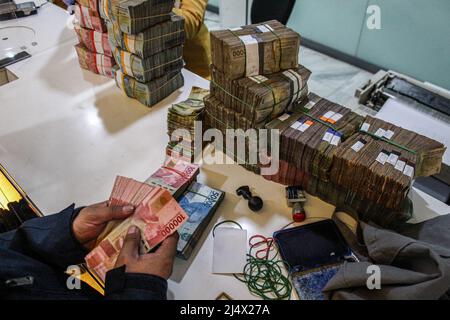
<point>314,253</point>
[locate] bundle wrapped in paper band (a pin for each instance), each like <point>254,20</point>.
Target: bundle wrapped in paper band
<point>89,19</point>
<point>311,134</point>
<point>261,98</point>
<point>95,62</point>
<point>262,48</point>
<point>155,39</point>
<point>94,41</point>
<point>367,163</point>
<point>148,93</point>
<point>344,199</point>
<point>94,5</point>
<point>184,115</point>
<point>383,159</point>
<point>151,67</point>
<point>133,16</point>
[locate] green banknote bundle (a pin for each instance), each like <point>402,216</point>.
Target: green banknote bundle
<point>151,67</point>
<point>148,93</point>
<point>257,49</point>
<point>152,40</point>
<point>200,203</point>
<point>184,115</point>
<point>261,98</point>
<point>133,16</point>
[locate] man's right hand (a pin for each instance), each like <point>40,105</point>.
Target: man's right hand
<point>158,263</point>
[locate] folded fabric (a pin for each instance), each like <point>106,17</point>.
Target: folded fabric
<point>409,268</point>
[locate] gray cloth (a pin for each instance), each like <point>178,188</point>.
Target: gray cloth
<point>414,267</point>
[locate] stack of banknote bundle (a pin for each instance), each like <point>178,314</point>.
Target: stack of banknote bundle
<point>362,164</point>
<point>255,78</point>
<point>134,16</point>
<point>93,50</point>
<point>147,44</point>
<point>262,48</point>
<point>200,203</point>
<point>183,119</point>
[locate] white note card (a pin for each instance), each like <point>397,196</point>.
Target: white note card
<point>230,250</point>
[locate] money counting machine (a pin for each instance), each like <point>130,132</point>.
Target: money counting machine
<point>415,105</point>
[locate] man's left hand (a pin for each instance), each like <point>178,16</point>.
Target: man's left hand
<point>92,220</point>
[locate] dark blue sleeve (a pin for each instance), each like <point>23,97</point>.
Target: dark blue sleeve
<point>49,239</point>
<point>120,285</point>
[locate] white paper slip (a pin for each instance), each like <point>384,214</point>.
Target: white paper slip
<point>365,127</point>
<point>380,132</point>
<point>284,117</point>
<point>230,250</point>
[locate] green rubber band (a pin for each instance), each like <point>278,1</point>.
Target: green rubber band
<point>388,141</point>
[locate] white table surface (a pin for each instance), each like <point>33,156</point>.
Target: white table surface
<point>66,133</point>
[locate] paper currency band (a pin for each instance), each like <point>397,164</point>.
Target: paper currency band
<point>261,56</point>
<point>122,57</point>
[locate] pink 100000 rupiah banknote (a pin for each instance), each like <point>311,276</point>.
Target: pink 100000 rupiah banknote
<point>157,215</point>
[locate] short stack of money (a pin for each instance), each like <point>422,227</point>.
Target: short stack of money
<point>255,78</point>
<point>184,121</point>
<point>147,43</point>
<point>93,50</point>
<point>360,164</point>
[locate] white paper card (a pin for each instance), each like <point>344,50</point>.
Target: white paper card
<point>283,117</point>
<point>230,250</point>
<point>365,127</point>
<point>358,146</point>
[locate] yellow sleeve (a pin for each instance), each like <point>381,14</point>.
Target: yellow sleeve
<point>193,12</point>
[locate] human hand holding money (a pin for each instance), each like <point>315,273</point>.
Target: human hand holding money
<point>158,263</point>
<point>92,220</point>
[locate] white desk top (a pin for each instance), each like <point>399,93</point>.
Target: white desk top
<point>65,134</point>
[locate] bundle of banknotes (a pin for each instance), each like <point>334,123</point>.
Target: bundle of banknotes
<point>155,66</point>
<point>262,48</point>
<point>152,40</point>
<point>148,93</point>
<point>94,50</point>
<point>261,98</point>
<point>157,215</point>
<point>363,163</point>
<point>200,203</point>
<point>89,19</point>
<point>175,176</point>
<point>255,78</point>
<point>147,41</point>
<point>185,115</point>
<point>94,41</point>
<point>95,62</point>
<point>133,16</point>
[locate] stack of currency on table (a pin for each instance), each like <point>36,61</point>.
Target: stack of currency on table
<point>95,62</point>
<point>134,16</point>
<point>362,164</point>
<point>147,43</point>
<point>182,120</point>
<point>93,50</point>
<point>175,176</point>
<point>157,215</point>
<point>148,93</point>
<point>200,203</point>
<point>255,78</point>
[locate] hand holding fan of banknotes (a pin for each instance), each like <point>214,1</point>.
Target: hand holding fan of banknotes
<point>157,215</point>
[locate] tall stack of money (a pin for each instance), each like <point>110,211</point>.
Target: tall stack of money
<point>183,121</point>
<point>147,44</point>
<point>93,50</point>
<point>360,164</point>
<point>255,78</point>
